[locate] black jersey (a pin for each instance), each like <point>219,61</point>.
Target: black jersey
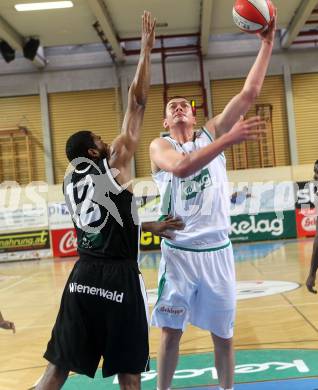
<point>104,214</point>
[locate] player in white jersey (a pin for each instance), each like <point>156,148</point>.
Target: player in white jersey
<point>196,275</point>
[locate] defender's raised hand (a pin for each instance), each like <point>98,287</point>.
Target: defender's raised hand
<point>148,31</point>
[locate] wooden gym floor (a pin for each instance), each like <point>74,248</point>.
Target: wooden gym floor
<point>30,295</point>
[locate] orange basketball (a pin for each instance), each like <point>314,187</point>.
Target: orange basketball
<point>253,16</point>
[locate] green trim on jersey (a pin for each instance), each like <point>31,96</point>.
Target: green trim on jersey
<point>208,134</point>
<point>166,201</point>
<point>198,250</point>
<point>161,285</point>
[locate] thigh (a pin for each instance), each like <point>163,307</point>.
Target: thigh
<point>125,347</point>
<point>214,306</point>
<point>177,287</point>
<point>72,344</point>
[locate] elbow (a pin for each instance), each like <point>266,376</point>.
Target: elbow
<point>181,171</point>
<point>137,96</point>
<point>251,94</point>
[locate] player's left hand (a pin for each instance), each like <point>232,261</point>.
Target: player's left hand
<point>166,227</point>
<point>269,34</point>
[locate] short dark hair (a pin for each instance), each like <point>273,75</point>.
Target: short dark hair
<point>78,144</point>
<point>177,97</point>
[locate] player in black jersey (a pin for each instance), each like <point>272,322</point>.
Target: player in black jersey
<point>103,311</point>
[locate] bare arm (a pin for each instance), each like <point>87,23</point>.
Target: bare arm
<point>311,280</point>
<point>138,92</point>
<point>163,228</point>
<point>242,102</point>
<point>165,157</point>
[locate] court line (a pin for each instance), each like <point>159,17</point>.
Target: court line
<point>20,281</point>
<point>300,313</point>
<point>243,346</point>
<point>271,307</point>
<point>254,265</point>
<point>21,369</point>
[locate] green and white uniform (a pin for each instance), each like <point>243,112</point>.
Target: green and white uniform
<point>196,276</point>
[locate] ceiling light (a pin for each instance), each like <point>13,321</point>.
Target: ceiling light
<point>43,6</point>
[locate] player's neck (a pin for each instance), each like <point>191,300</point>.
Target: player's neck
<point>182,134</point>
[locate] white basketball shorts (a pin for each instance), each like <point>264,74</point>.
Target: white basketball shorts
<point>196,287</point>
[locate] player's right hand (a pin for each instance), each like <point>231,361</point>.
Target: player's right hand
<point>148,37</point>
<point>252,129</point>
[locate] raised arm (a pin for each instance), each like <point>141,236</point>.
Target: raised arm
<point>242,102</point>
<point>138,91</point>
<point>164,156</point>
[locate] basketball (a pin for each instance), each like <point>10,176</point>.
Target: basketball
<point>253,16</point>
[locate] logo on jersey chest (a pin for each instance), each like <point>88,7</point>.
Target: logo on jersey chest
<point>190,188</point>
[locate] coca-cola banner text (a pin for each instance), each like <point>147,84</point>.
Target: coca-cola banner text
<point>64,242</point>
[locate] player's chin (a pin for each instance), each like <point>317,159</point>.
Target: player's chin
<point>180,119</point>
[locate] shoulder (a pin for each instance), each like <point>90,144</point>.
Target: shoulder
<point>160,143</point>
<point>211,126</point>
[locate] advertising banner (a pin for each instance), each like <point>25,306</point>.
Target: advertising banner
<point>25,255</point>
<point>22,218</point>
<point>306,222</point>
<point>149,242</point>
<point>59,217</point>
<point>306,194</point>
<point>64,242</point>
<point>257,197</point>
<point>25,241</point>
<point>263,226</point>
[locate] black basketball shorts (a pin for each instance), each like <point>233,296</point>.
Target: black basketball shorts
<point>103,313</point>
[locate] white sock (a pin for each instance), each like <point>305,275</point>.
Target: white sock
<point>221,388</point>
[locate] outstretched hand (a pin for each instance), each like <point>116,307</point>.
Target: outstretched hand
<point>252,129</point>
<point>269,34</point>
<point>164,228</point>
<point>148,31</point>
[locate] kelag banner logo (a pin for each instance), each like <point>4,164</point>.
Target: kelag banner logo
<point>199,370</point>
<point>14,242</point>
<point>264,226</point>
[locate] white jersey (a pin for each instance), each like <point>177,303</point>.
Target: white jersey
<point>201,199</point>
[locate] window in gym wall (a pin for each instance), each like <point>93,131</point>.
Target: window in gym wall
<point>305,92</point>
<point>15,112</point>
<point>249,155</point>
<point>98,111</point>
